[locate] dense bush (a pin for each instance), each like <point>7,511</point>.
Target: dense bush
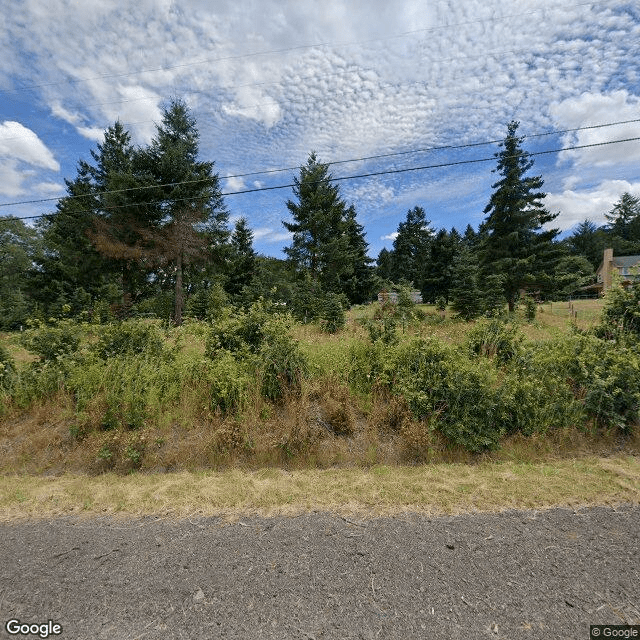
<point>7,368</point>
<point>131,337</point>
<point>52,341</point>
<point>459,395</point>
<point>261,338</point>
<point>609,376</point>
<point>621,311</point>
<point>493,337</point>
<point>333,315</point>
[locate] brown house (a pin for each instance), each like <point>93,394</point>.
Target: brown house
<point>627,268</point>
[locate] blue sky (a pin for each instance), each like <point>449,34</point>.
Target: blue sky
<point>269,81</point>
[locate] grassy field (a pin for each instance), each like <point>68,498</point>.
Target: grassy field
<point>327,446</point>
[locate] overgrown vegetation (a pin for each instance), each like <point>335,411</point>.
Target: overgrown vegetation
<point>255,387</point>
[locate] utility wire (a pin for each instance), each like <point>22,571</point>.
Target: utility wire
<point>356,176</point>
<point>334,162</point>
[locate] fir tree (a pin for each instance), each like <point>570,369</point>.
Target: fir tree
<point>120,229</point>
<point>464,294</point>
<point>624,219</point>
<point>411,248</point>
<point>515,247</point>
<point>358,287</point>
<point>242,261</point>
<point>323,248</point>
<point>68,261</point>
<point>442,251</point>
<point>194,218</point>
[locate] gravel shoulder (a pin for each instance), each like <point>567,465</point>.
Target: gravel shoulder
<point>517,574</point>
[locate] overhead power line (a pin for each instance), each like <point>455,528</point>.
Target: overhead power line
<point>333,162</point>
<point>362,175</point>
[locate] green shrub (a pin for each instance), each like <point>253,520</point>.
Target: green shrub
<point>458,395</point>
<point>333,315</point>
<point>228,382</point>
<point>621,311</point>
<point>609,375</point>
<point>530,308</point>
<point>131,337</point>
<point>493,337</point>
<point>244,333</point>
<point>53,341</point>
<point>263,340</point>
<point>102,313</point>
<point>366,364</point>
<point>282,366</point>
<point>7,369</point>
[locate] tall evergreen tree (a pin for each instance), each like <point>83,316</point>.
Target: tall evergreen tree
<point>624,219</point>
<point>384,264</point>
<point>19,245</point>
<point>516,246</point>
<point>464,294</point>
<point>193,216</point>
<point>68,262</point>
<point>411,248</point>
<point>321,247</point>
<point>124,211</point>
<point>242,262</point>
<point>439,270</point>
<point>470,238</point>
<point>358,286</point>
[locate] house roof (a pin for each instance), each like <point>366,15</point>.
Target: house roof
<point>626,261</point>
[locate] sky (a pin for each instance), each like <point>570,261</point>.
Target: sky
<point>425,86</point>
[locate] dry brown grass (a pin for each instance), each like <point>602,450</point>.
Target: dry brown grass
<point>381,490</point>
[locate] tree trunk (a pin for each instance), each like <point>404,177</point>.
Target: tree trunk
<point>177,314</point>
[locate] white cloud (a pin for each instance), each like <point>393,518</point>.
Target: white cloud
<point>49,188</point>
<point>596,108</point>
<point>269,235</point>
<point>576,206</point>
<point>264,97</point>
<point>391,236</point>
<point>19,143</point>
<point>234,184</point>
<point>21,152</point>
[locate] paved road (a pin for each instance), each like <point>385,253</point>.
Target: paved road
<point>513,575</point>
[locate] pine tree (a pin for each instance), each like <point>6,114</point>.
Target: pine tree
<point>321,247</point>
<point>464,294</point>
<point>439,269</point>
<point>124,215</point>
<point>194,219</point>
<point>358,287</point>
<point>411,248</point>
<point>68,261</point>
<point>624,219</point>
<point>515,246</point>
<point>242,261</point>
<point>384,268</point>
<point>19,244</point>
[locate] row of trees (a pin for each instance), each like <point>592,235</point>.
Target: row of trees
<point>512,251</point>
<point>146,229</point>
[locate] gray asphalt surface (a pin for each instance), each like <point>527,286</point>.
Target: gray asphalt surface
<point>546,574</point>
